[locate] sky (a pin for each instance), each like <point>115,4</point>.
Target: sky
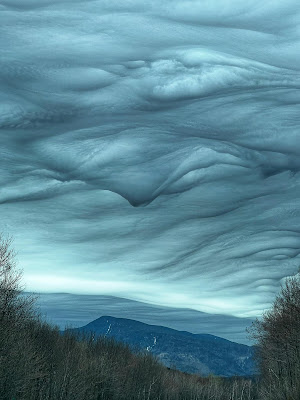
<point>150,152</point>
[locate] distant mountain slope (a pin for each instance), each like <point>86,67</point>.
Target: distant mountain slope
<point>202,353</point>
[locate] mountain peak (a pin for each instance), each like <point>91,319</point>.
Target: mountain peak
<point>188,352</point>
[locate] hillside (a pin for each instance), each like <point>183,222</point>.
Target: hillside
<point>194,353</point>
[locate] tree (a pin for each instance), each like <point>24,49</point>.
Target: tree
<point>278,344</point>
<point>14,305</point>
<point>15,312</point>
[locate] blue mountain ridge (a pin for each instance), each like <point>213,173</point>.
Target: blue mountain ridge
<point>201,354</point>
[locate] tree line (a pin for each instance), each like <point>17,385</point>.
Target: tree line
<point>38,362</point>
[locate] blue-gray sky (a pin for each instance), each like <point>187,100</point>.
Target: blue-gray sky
<point>150,150</point>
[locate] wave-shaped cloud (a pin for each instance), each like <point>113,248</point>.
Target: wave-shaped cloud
<point>78,310</point>
<point>150,150</point>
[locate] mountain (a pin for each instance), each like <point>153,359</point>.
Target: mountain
<point>194,353</point>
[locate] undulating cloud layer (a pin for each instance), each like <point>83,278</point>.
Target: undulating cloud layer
<point>71,310</point>
<point>151,150</point>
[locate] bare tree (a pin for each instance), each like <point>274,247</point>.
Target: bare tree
<point>278,339</point>
<point>15,313</point>
<point>13,303</point>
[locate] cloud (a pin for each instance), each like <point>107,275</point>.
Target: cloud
<point>77,310</point>
<point>151,152</point>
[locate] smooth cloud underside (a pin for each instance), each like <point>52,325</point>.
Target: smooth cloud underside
<point>82,309</point>
<point>151,151</point>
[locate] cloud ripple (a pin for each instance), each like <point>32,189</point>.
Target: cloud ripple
<point>152,151</point>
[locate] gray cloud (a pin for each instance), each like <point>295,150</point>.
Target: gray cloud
<point>68,310</point>
<point>151,152</point>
